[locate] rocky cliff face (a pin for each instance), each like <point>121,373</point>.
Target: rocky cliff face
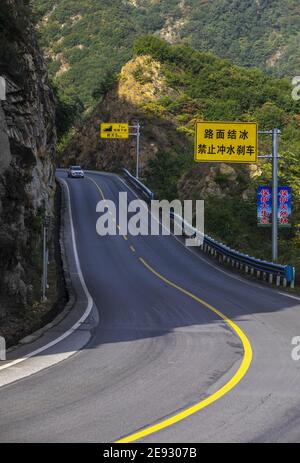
<point>27,144</point>
<point>141,83</point>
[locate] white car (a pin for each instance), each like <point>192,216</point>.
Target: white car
<point>75,172</point>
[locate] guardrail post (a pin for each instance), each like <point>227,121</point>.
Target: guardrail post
<point>258,273</point>
<point>278,280</point>
<point>271,278</point>
<point>292,285</point>
<point>284,282</point>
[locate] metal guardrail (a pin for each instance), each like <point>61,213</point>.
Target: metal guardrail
<point>268,271</point>
<point>280,274</point>
<point>139,185</point>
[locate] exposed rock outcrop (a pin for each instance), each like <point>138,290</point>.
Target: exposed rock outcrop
<point>27,145</point>
<point>141,83</point>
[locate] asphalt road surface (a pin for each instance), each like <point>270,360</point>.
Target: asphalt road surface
<point>161,348</point>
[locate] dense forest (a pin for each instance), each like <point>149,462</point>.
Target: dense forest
<point>85,40</point>
<point>262,33</point>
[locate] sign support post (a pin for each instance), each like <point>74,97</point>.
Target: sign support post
<point>274,156</point>
<point>275,133</point>
<point>116,130</point>
<point>137,134</point>
<point>238,142</point>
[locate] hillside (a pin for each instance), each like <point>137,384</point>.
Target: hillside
<point>84,40</point>
<point>167,88</point>
<point>27,153</point>
<point>262,33</point>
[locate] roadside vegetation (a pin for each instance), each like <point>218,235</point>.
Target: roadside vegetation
<point>209,88</point>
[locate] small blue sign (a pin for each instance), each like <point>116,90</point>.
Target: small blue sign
<point>265,204</point>
<point>284,206</point>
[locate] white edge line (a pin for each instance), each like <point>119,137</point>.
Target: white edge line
<point>88,296</point>
<point>234,277</point>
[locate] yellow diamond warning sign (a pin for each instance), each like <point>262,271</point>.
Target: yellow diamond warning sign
<point>226,142</point>
<point>114,130</point>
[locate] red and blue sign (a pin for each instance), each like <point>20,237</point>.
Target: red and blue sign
<point>264,206</point>
<point>284,206</point>
<point>265,203</point>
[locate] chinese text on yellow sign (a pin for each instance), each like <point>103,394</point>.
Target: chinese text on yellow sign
<point>226,142</point>
<point>114,130</point>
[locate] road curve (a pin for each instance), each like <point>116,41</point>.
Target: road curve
<point>160,348</point>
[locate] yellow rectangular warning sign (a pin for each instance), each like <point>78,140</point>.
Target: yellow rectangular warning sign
<point>114,130</point>
<point>226,142</point>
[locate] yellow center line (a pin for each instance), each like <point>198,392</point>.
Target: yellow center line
<point>238,376</point>
<point>103,197</point>
<point>97,186</point>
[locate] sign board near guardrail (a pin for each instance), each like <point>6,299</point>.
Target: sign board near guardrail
<point>234,142</point>
<point>114,130</point>
<point>265,203</point>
